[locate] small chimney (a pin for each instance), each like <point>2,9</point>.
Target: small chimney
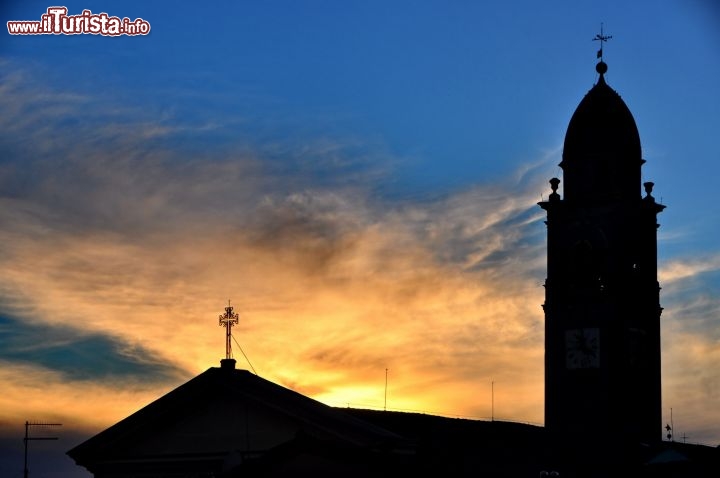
<point>227,364</point>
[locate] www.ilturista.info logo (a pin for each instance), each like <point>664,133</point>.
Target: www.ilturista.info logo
<point>57,22</point>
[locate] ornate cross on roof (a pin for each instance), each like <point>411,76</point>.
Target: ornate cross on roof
<point>228,319</point>
<point>602,39</point>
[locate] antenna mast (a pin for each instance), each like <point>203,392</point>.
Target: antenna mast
<point>227,320</point>
<point>386,373</point>
<point>29,438</point>
<point>492,401</point>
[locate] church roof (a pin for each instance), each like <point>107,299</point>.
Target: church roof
<point>212,394</point>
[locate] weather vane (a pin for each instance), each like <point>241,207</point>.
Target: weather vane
<point>602,38</point>
<point>227,320</point>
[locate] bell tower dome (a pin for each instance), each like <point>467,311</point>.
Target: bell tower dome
<point>602,156</point>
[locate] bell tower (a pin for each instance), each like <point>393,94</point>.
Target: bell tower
<point>602,296</point>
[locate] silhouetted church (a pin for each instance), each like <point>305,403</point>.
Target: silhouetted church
<point>602,365</point>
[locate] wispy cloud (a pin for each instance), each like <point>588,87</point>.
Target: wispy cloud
<point>679,269</point>
<point>690,330</point>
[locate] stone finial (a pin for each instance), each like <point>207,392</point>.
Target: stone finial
<point>554,183</point>
<point>649,187</point>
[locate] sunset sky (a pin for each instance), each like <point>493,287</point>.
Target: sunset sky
<point>359,178</point>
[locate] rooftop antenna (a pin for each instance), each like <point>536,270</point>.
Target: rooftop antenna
<point>28,438</point>
<point>602,38</point>
<point>492,400</point>
<point>386,378</point>
<point>672,425</point>
<point>227,320</point>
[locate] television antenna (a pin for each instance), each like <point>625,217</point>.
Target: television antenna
<point>29,438</point>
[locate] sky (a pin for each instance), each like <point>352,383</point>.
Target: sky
<point>360,179</point>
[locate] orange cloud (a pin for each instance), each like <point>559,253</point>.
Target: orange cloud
<point>332,288</point>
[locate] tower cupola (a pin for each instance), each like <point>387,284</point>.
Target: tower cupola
<point>601,157</point>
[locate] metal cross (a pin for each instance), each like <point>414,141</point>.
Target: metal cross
<point>227,320</point>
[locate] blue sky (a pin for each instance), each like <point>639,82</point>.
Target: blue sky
<point>339,170</point>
